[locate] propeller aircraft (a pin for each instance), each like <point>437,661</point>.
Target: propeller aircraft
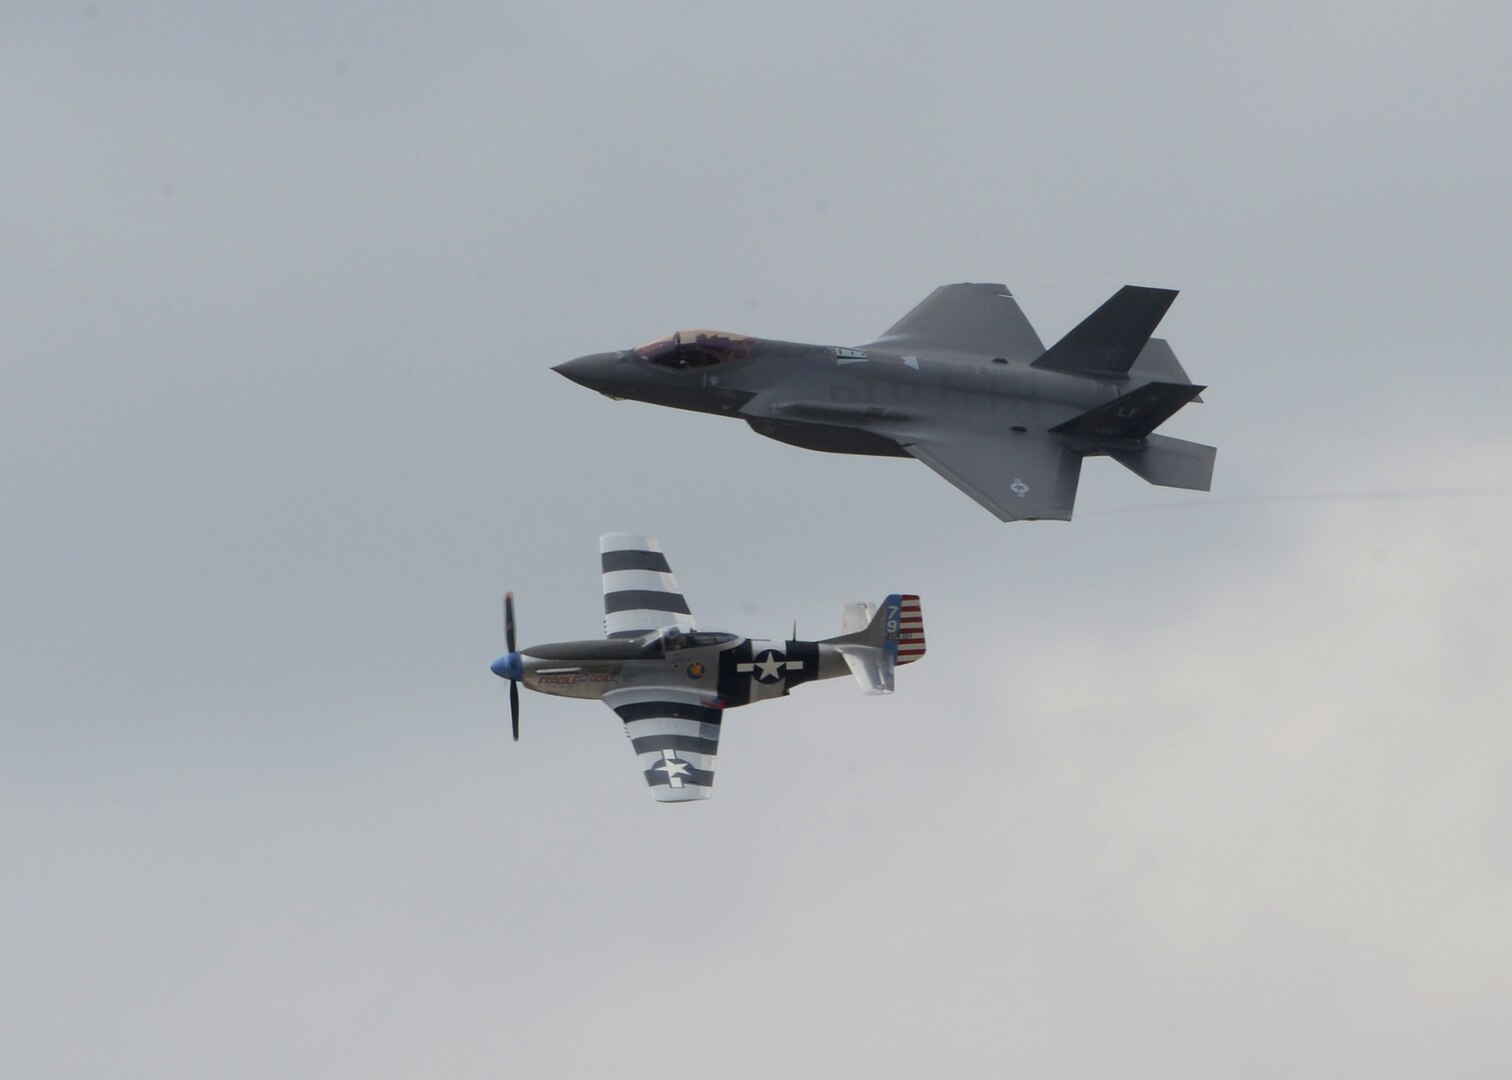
<point>671,682</point>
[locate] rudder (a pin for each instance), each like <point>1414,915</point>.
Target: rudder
<point>909,634</point>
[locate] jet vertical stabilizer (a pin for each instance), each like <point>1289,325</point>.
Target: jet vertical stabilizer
<point>1158,363</point>
<point>1111,338</point>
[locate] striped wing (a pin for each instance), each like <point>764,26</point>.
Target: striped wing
<point>640,593</point>
<point>675,733</point>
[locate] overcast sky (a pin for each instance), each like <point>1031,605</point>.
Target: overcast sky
<point>1193,785</point>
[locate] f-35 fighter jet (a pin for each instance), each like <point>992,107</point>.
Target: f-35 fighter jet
<point>962,382</point>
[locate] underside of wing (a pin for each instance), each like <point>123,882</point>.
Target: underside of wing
<point>675,733</point>
<point>969,319</point>
<point>640,593</point>
<point>1019,476</point>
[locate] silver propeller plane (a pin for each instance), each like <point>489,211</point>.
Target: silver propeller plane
<point>670,682</point>
<point>962,383</point>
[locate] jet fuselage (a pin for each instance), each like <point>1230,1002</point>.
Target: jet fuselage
<point>848,401</point>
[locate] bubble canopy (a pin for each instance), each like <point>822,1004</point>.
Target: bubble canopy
<point>675,639</point>
<point>685,349</point>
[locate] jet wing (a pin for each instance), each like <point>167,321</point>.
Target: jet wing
<point>675,733</point>
<point>640,593</point>
<point>1017,475</point>
<point>972,319</point>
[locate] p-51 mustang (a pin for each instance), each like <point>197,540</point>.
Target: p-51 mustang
<point>962,382</point>
<point>671,682</point>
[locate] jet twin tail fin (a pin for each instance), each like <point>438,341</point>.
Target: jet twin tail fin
<point>1112,337</point>
<point>1157,363</point>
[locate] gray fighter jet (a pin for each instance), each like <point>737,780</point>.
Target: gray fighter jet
<point>670,682</point>
<point>962,382</point>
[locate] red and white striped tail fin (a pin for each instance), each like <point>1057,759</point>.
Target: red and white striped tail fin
<point>910,629</point>
<point>891,635</point>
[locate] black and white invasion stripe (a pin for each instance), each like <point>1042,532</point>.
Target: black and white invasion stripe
<point>640,593</point>
<point>675,738</point>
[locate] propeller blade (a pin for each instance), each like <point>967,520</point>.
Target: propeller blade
<point>508,666</point>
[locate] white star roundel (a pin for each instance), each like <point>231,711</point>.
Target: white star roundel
<point>674,767</point>
<point>768,666</point>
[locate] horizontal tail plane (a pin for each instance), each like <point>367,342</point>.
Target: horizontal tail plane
<point>1133,415</point>
<point>1170,463</point>
<point>1124,430</point>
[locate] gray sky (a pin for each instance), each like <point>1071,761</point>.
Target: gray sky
<point>1193,785</point>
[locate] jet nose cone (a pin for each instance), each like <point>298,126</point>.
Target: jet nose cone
<point>509,666</point>
<point>595,371</point>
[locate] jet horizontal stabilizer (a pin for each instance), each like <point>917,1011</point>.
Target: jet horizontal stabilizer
<point>1131,416</point>
<point>1112,337</point>
<point>1170,463</point>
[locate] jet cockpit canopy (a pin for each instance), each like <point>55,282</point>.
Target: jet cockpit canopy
<point>686,349</point>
